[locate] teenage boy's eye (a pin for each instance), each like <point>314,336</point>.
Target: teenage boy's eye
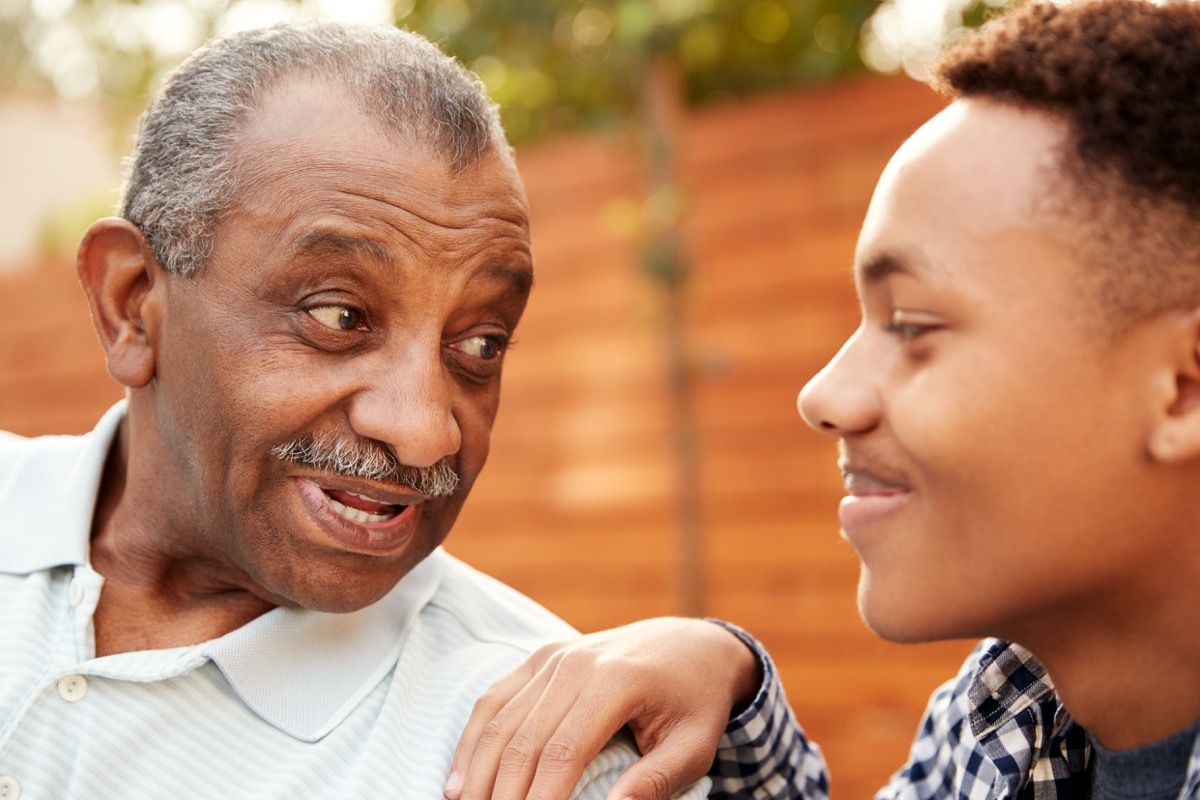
<point>906,331</point>
<point>907,325</point>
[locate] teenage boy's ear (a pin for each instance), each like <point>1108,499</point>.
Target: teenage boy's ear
<point>119,275</point>
<point>1175,437</point>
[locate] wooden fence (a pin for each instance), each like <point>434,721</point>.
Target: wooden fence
<point>577,507</point>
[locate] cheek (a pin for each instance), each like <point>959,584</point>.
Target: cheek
<point>971,431</point>
<point>246,401</point>
<point>476,414</point>
<point>283,388</point>
<point>996,442</point>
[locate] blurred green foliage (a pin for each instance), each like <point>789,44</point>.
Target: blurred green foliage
<point>558,64</point>
<point>551,64</point>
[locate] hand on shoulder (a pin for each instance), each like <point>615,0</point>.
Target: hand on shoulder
<point>674,682</point>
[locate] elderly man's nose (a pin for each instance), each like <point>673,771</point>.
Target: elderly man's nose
<point>409,408</point>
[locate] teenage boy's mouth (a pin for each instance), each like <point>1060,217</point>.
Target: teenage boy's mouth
<point>872,496</point>
<point>859,482</point>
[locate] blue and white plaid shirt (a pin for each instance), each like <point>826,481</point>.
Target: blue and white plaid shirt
<point>997,731</point>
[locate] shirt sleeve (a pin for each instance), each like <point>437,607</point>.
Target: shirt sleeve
<point>765,754</point>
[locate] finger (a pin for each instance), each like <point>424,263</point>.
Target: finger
<point>502,742</point>
<point>675,763</point>
<point>527,748</point>
<point>483,725</point>
<point>584,731</point>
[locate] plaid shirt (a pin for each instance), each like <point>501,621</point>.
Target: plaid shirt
<point>995,731</point>
<point>764,754</point>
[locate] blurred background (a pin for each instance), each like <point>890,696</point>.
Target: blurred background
<point>697,171</point>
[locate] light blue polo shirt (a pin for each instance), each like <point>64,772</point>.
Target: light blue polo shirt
<point>294,704</point>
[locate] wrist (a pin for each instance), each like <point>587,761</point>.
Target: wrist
<point>748,671</point>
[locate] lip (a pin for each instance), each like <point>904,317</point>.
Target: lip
<point>371,538</point>
<point>856,512</point>
<point>870,497</point>
<point>385,493</point>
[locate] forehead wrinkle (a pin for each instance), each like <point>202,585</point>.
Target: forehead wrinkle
<point>458,222</point>
<point>468,221</point>
<point>513,241</point>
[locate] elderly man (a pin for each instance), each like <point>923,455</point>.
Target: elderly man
<point>232,587</point>
<point>1019,422</point>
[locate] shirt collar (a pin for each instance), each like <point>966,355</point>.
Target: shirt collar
<point>301,671</point>
<point>1010,680</point>
<point>305,671</point>
<point>48,488</point>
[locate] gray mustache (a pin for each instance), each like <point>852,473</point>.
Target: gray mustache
<point>359,460</point>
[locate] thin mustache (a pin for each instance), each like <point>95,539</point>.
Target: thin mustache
<point>856,480</point>
<point>859,471</point>
<point>359,460</point>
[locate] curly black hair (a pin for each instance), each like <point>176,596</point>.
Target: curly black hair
<point>1126,75</point>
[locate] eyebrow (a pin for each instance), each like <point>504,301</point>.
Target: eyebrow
<point>326,242</point>
<point>880,266</point>
<point>520,278</point>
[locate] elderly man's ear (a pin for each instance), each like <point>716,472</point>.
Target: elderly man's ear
<point>1175,432</point>
<point>124,286</point>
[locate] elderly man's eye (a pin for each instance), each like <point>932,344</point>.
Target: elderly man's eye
<point>337,317</point>
<point>485,347</point>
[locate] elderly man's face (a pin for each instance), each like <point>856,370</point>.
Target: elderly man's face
<point>357,296</point>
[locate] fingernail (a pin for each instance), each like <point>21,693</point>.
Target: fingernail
<point>453,784</point>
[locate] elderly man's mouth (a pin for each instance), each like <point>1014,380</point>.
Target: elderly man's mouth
<point>360,508</point>
<point>362,518</point>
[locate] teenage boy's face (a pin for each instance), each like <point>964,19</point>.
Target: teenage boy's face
<point>989,436</point>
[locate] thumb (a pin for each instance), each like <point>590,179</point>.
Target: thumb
<point>669,767</point>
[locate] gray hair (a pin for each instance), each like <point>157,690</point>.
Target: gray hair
<point>183,172</point>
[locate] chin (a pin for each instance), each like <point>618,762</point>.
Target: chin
<point>336,593</point>
<point>903,618</point>
<point>345,582</point>
<point>896,631</point>
<point>340,601</point>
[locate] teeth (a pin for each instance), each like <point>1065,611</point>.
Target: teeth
<point>367,497</point>
<point>354,514</point>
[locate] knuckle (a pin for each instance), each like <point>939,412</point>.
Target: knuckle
<point>496,734</point>
<point>560,753</point>
<point>488,703</point>
<point>547,651</point>
<point>609,669</point>
<point>660,785</point>
<point>518,754</point>
<point>550,657</point>
<point>579,657</point>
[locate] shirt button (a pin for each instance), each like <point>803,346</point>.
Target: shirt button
<point>72,689</point>
<point>74,594</point>
<point>9,788</point>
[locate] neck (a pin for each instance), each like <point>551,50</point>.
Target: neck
<point>159,592</point>
<point>1129,676</point>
